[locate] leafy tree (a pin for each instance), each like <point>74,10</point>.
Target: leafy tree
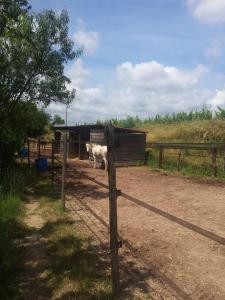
<point>57,120</point>
<point>220,114</point>
<point>28,121</point>
<point>34,48</point>
<point>33,51</point>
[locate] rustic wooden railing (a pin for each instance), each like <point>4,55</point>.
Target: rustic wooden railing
<point>212,147</point>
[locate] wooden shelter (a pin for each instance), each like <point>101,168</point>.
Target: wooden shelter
<point>130,143</point>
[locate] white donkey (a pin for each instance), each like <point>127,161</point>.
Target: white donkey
<point>98,151</point>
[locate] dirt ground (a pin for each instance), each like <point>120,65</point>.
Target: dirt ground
<point>169,260</point>
<point>32,279</point>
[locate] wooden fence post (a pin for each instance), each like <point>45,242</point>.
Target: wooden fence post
<point>28,152</point>
<point>214,168</point>
<point>39,148</point>
<point>224,164</point>
<point>64,170</point>
<point>114,245</point>
<point>160,157</point>
<point>79,147</point>
<point>53,160</point>
<point>179,161</point>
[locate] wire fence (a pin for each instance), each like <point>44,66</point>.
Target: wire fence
<point>61,172</point>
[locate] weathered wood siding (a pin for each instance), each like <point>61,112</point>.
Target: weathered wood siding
<point>130,146</point>
<point>57,141</point>
<point>131,149</point>
<point>97,136</point>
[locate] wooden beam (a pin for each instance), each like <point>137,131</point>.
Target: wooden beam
<point>199,146</point>
<point>79,156</point>
<point>160,157</point>
<point>179,161</point>
<point>53,160</point>
<point>39,148</point>
<point>214,168</point>
<point>110,138</point>
<point>28,152</point>
<point>63,198</point>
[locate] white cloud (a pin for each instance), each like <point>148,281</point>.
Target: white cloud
<point>155,76</point>
<point>78,74</point>
<point>208,11</point>
<point>86,39</point>
<point>218,99</point>
<point>143,89</point>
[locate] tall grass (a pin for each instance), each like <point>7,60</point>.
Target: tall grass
<point>199,126</point>
<point>193,162</point>
<point>11,229</point>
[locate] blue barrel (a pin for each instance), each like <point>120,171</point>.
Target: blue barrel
<point>41,164</point>
<point>23,152</point>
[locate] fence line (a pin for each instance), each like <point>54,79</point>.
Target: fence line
<point>143,261</point>
<point>208,234</point>
<point>197,146</point>
<point>212,147</point>
<point>114,193</point>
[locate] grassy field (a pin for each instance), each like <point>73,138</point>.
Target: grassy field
<point>205,131</point>
<point>196,126</point>
<point>193,162</point>
<point>12,228</point>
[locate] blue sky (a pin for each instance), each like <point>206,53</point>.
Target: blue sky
<point>144,57</point>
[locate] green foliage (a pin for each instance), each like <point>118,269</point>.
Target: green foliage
<point>28,121</point>
<point>33,51</point>
<point>194,115</point>
<point>57,120</point>
<point>73,258</point>
<point>11,228</point>
<point>193,162</point>
<point>34,48</point>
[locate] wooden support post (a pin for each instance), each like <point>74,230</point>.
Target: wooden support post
<point>28,152</point>
<point>214,168</point>
<point>224,164</point>
<point>53,160</point>
<point>179,161</point>
<point>64,170</point>
<point>79,147</point>
<point>39,148</point>
<point>160,157</point>
<point>114,245</point>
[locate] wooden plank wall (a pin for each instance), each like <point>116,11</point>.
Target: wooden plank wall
<point>131,149</point>
<point>97,136</point>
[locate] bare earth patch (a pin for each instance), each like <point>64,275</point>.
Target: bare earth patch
<point>32,279</point>
<point>176,262</point>
<point>60,261</point>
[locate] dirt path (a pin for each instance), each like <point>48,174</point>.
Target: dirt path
<point>32,280</point>
<point>192,262</point>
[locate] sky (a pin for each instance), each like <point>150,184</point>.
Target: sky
<point>143,57</point>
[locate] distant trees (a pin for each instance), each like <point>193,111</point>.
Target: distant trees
<point>57,120</point>
<point>194,115</point>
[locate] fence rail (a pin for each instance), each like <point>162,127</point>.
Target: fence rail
<point>213,148</point>
<point>198,146</point>
<point>111,187</point>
